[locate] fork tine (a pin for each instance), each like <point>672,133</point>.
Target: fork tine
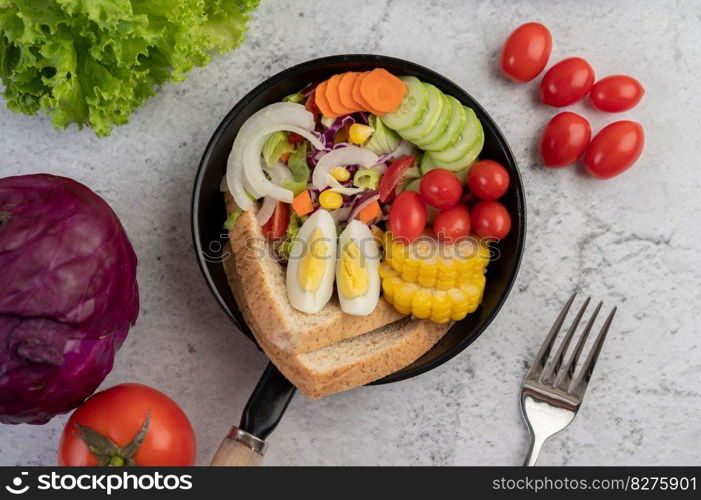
<point>564,377</point>
<point>542,357</point>
<point>580,383</point>
<point>554,366</point>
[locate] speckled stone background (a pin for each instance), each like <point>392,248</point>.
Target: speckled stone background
<point>631,241</point>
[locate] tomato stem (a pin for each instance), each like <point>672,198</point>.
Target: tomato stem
<point>106,451</point>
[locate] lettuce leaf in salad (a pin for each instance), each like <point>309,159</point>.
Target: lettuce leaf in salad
<point>384,139</point>
<point>299,168</point>
<point>230,221</point>
<point>296,98</point>
<point>292,229</point>
<point>275,146</point>
<point>92,62</point>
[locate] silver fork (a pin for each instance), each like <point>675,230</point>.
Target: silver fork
<point>551,395</point>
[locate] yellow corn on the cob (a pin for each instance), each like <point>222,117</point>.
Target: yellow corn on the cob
<point>436,271</point>
<point>440,305</point>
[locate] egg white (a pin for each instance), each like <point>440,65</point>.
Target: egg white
<point>311,302</point>
<point>364,304</point>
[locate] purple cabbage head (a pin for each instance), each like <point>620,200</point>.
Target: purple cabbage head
<point>68,295</point>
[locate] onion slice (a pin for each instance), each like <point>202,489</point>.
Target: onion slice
<point>252,170</point>
<point>223,185</point>
<point>404,148</point>
<point>340,214</point>
<point>266,210</point>
<point>350,155</point>
<point>279,173</point>
<point>279,112</point>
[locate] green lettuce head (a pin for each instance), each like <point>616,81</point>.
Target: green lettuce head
<point>92,62</point>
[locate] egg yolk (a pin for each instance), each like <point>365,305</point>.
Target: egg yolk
<point>313,264</point>
<point>352,278</point>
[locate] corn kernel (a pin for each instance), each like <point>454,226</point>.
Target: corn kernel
<point>341,174</point>
<point>386,270</point>
<point>358,133</point>
<point>330,200</point>
<point>427,280</point>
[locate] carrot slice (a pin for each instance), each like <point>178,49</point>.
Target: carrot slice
<point>322,103</point>
<point>382,90</point>
<point>302,203</point>
<point>369,212</point>
<point>359,98</point>
<point>345,90</point>
<point>333,97</point>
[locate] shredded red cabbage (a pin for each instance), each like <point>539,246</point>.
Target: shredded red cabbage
<point>309,89</point>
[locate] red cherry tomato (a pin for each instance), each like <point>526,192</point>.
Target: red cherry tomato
<point>440,188</point>
<point>277,224</point>
<point>567,82</point>
<point>616,93</point>
<point>407,216</point>
<point>490,219</point>
<point>564,139</point>
<point>614,149</point>
<point>488,180</point>
<point>526,52</point>
<point>119,414</point>
<point>452,224</point>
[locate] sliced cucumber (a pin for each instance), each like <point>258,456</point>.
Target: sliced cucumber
<point>459,166</point>
<point>440,126</point>
<point>427,164</point>
<point>412,107</point>
<point>471,139</point>
<point>458,117</point>
<point>462,174</point>
<point>429,118</point>
<point>412,185</point>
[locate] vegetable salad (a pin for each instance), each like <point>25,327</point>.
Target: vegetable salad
<point>363,181</point>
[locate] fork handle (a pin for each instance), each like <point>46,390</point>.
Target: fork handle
<point>534,450</point>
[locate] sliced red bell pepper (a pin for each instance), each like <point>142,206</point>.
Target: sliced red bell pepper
<point>390,179</point>
<point>277,224</point>
<point>294,138</point>
<point>311,106</point>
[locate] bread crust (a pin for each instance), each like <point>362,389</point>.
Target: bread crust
<point>382,351</point>
<point>282,326</point>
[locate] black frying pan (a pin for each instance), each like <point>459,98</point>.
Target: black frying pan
<point>245,444</point>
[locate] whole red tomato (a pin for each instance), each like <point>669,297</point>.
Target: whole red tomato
<point>128,424</point>
<point>526,52</point>
<point>440,188</point>
<point>564,139</point>
<point>567,82</point>
<point>616,93</point>
<point>407,216</point>
<point>490,219</point>
<point>452,224</point>
<point>614,149</point>
<point>488,180</point>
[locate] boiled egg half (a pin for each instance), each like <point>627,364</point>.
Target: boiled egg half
<point>312,262</point>
<point>357,276</point>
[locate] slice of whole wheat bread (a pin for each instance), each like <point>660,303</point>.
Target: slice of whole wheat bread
<point>278,323</point>
<point>348,363</point>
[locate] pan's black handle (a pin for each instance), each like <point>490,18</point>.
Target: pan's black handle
<point>267,404</point>
<point>245,444</point>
